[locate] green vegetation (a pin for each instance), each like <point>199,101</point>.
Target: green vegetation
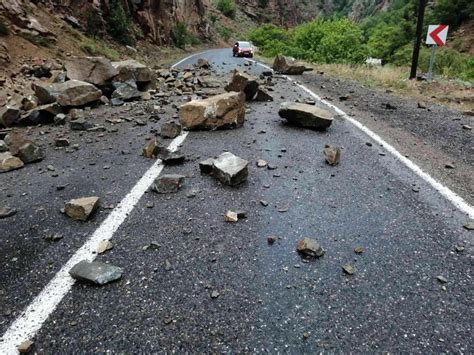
<point>97,48</point>
<point>388,35</point>
<point>38,40</point>
<point>181,36</point>
<point>3,28</point>
<point>225,33</point>
<point>227,7</point>
<point>93,24</point>
<point>119,23</point>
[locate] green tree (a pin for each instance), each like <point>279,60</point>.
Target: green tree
<point>119,23</point>
<point>227,7</point>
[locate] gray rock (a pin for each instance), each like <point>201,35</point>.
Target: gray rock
<point>307,116</point>
<point>9,115</point>
<point>126,91</point>
<point>80,124</point>
<point>81,208</point>
<point>3,146</point>
<point>95,272</point>
<point>263,96</point>
<point>348,269</point>
<point>169,183</point>
<point>94,70</point>
<point>26,347</point>
<point>133,70</point>
<point>170,130</point>
<point>170,158</point>
<point>6,212</point>
<point>469,225</point>
<point>332,155</point>
<point>309,247</point>
<point>286,65</point>
<point>242,82</point>
<point>230,169</point>
<point>61,142</point>
<point>69,93</point>
<point>206,166</point>
<point>30,153</point>
<point>60,119</point>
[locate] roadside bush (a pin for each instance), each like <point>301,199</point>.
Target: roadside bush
<point>225,33</point>
<point>93,24</point>
<point>179,34</point>
<point>270,39</point>
<point>227,7</point>
<point>97,48</point>
<point>119,23</point>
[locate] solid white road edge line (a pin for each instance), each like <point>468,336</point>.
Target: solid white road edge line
<point>447,193</point>
<point>33,317</point>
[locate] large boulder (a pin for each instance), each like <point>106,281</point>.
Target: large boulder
<point>126,91</point>
<point>230,169</point>
<point>132,70</point>
<point>245,83</point>
<point>305,115</point>
<point>69,93</point>
<point>217,112</point>
<point>286,65</point>
<point>94,70</point>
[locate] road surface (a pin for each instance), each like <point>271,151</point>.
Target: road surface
<point>269,298</point>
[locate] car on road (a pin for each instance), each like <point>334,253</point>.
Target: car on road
<point>243,49</point>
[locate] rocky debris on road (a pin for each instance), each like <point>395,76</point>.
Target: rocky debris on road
<point>215,294</point>
<point>80,209</point>
<point>170,130</point>
<point>348,269</point>
<point>218,112</point>
<point>242,82</point>
<point>30,153</point>
<point>289,66</point>
<point>133,70</point>
<point>6,212</point>
<point>9,162</point>
<point>61,142</point>
<point>94,70</point>
<point>169,183</point>
<point>309,247</point>
<point>262,95</point>
<point>95,272</point>
<point>80,124</point>
<point>231,216</point>
<point>359,250</point>
<point>306,116</point>
<point>271,239</point>
<point>206,166</point>
<point>261,163</point>
<point>70,93</point>
<point>203,63</point>
<point>230,169</point>
<point>53,237</point>
<point>9,115</point>
<point>26,347</point>
<point>469,225</point>
<point>124,91</point>
<point>332,155</point>
<point>442,279</point>
<point>151,149</point>
<point>104,245</point>
<point>170,157</point>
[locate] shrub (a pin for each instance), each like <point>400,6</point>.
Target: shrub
<point>227,7</point>
<point>225,33</point>
<point>119,23</point>
<point>39,40</point>
<point>179,34</point>
<point>93,24</point>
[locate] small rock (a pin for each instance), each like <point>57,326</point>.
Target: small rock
<point>309,247</point>
<point>261,163</point>
<point>332,155</point>
<point>81,124</point>
<point>348,269</point>
<point>271,239</point>
<point>80,209</point>
<point>421,105</point>
<point>8,162</point>
<point>442,279</point>
<point>449,166</point>
<point>215,294</point>
<point>263,203</point>
<point>95,272</point>
<point>151,149</point>
<point>359,250</point>
<point>53,237</point>
<point>30,153</point>
<point>469,225</point>
<point>61,142</point>
<point>467,127</point>
<point>60,119</point>
<point>168,266</point>
<point>170,130</point>
<point>25,347</point>
<point>230,169</point>
<point>231,216</point>
<point>459,248</point>
<point>206,166</point>
<point>150,204</point>
<point>6,212</point>
<point>166,184</point>
<point>104,246</point>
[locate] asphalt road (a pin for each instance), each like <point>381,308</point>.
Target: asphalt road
<point>270,299</point>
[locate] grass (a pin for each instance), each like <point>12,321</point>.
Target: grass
<point>97,48</point>
<point>39,40</point>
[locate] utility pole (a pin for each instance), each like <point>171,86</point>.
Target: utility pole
<point>419,33</point>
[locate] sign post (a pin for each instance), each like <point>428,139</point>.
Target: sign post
<point>436,36</point>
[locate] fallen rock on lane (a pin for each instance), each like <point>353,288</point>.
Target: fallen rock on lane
<point>305,115</point>
<point>93,70</point>
<point>289,66</point>
<point>309,247</point>
<point>80,209</point>
<point>169,183</point>
<point>242,82</point>
<point>218,112</point>
<point>69,93</point>
<point>230,169</point>
<point>170,130</point>
<point>231,217</point>
<point>6,212</point>
<point>30,153</point>
<point>9,162</point>
<point>332,155</point>
<point>95,272</point>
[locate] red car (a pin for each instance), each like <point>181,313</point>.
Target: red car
<point>242,49</point>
